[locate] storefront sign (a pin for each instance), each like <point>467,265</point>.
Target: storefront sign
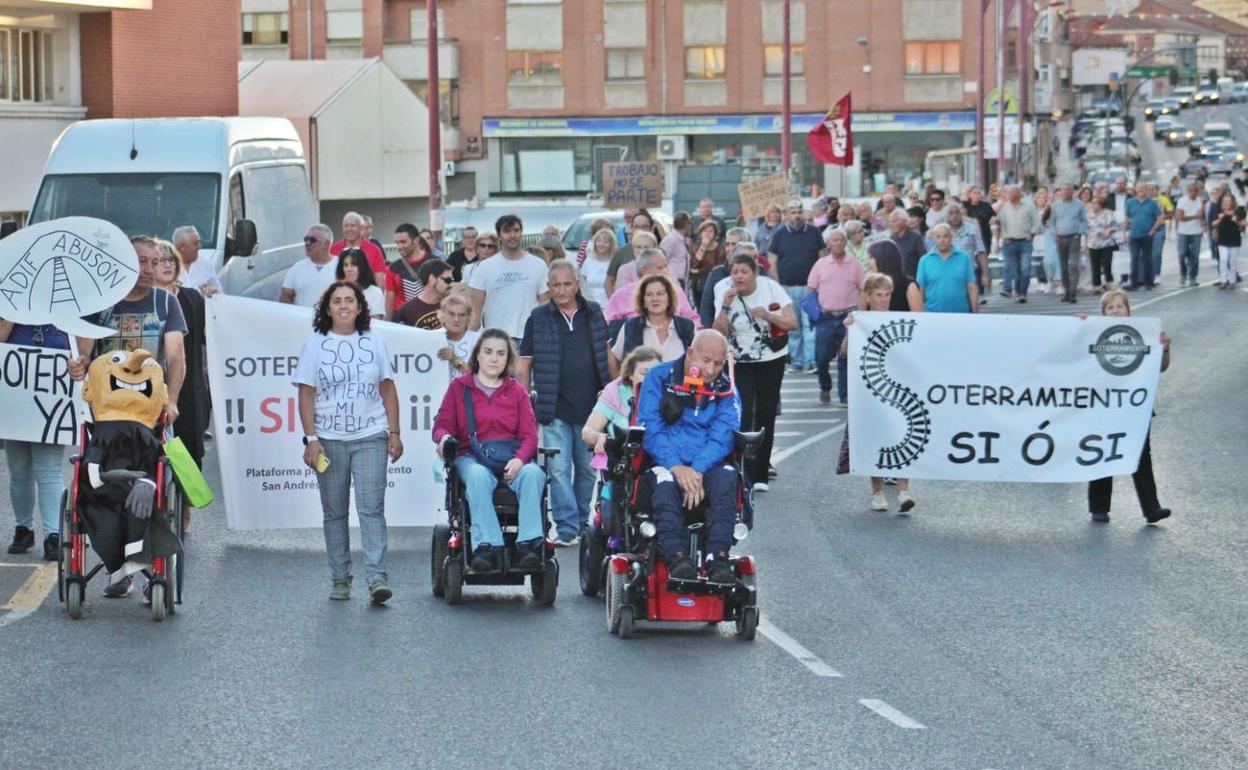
<point>632,185</point>
<point>719,124</point>
<point>1000,398</point>
<point>757,194</point>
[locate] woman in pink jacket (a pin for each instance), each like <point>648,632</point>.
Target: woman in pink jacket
<point>490,415</point>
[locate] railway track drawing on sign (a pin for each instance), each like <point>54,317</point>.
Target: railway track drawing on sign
<point>875,374</point>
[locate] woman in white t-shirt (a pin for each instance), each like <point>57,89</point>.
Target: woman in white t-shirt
<point>598,256</point>
<point>353,266</point>
<point>350,414</point>
<point>756,315</point>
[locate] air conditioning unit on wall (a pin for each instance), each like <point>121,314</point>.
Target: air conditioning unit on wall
<point>671,148</point>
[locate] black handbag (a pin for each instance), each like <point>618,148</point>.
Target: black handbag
<point>492,454</point>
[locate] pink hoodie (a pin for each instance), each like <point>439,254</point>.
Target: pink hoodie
<point>505,416</point>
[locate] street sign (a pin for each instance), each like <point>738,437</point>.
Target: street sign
<point>1148,72</point>
<point>1011,102</point>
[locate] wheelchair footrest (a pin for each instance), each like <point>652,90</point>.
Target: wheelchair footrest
<point>699,587</point>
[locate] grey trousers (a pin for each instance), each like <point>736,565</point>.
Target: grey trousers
<point>1068,255</point>
<point>362,461</point>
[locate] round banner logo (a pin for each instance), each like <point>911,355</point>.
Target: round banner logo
<point>1119,350</point>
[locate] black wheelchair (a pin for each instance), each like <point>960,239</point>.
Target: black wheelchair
<point>451,547</point>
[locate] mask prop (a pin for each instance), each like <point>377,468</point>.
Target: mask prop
<point>126,392</point>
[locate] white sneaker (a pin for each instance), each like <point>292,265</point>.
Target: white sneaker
<point>878,503</point>
<point>906,501</point>
<point>761,486</point>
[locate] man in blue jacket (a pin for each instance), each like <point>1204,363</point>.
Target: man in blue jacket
<point>690,413</point>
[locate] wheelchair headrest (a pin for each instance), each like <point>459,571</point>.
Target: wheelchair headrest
<point>748,443</point>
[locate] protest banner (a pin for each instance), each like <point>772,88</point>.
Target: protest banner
<point>256,416</point>
<point>757,194</point>
<point>39,400</point>
<point>1000,398</point>
<point>632,185</point>
<point>58,271</point>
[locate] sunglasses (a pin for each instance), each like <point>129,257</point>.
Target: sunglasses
<point>487,245</point>
<point>310,239</point>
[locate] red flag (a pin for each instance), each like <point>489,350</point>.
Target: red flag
<point>832,141</point>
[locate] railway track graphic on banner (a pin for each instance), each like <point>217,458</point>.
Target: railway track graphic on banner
<point>875,374</point>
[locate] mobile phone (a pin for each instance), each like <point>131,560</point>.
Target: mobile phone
<point>322,463</point>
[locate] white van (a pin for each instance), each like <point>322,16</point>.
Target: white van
<point>243,183</point>
<point>1219,131</point>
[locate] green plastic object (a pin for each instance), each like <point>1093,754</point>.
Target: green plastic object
<point>190,479</point>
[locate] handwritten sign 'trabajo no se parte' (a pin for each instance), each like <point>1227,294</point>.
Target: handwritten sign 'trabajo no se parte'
<point>636,184</point>
<point>39,401</point>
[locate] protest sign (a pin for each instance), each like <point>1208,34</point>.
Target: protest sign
<point>1000,398</point>
<point>56,272</point>
<point>757,194</point>
<point>39,400</point>
<point>632,185</point>
<point>256,416</point>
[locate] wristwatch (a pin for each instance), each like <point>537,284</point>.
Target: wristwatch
<point>309,439</point>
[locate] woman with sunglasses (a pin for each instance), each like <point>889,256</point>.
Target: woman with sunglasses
<point>487,246</point>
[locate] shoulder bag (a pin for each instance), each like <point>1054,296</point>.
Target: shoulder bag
<point>492,454</point>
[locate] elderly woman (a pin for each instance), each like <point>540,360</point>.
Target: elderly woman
<point>856,244</point>
<point>502,421</point>
<point>767,227</point>
<point>628,272</point>
<point>553,246</point>
<point>756,315</point>
<point>656,325</point>
<point>598,252</point>
<point>707,255</point>
<point>168,273</point>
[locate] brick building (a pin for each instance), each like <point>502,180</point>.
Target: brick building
<point>65,60</point>
<point>538,93</point>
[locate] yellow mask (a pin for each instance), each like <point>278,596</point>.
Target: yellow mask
<point>126,386</point>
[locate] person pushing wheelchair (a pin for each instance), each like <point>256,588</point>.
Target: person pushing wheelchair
<point>691,413</point>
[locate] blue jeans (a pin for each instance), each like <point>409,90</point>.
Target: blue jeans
<point>1189,255</point>
<point>35,470</point>
<point>1017,268</point>
<point>802,344</point>
<point>479,484</point>
<point>362,461</point>
<point>571,477</point>
<point>1159,244</point>
<point>1142,261</point>
<point>1052,259</point>
<point>829,334</point>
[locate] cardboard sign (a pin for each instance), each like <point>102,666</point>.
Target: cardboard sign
<point>632,185</point>
<point>59,271</point>
<point>757,194</point>
<point>39,401</point>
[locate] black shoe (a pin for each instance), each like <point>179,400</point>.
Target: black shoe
<point>719,570</point>
<point>681,567</point>
<point>484,559</point>
<point>52,547</point>
<point>23,540</point>
<point>1022,300</point>
<point>1101,517</point>
<point>525,555</point>
<point>1157,515</point>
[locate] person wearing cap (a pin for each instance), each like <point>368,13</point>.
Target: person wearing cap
<point>795,248</point>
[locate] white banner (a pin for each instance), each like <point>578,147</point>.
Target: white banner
<point>253,351</point>
<point>39,401</point>
<point>1000,398</point>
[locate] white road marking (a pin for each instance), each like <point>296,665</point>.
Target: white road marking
<point>795,648</point>
<point>892,714</point>
<point>784,454</point>
<point>788,433</point>
<point>1147,302</point>
<point>816,422</point>
<point>826,409</point>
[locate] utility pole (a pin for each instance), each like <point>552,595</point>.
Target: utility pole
<point>981,170</point>
<point>435,121</point>
<point>1000,96</point>
<point>1024,70</point>
<point>786,122</point>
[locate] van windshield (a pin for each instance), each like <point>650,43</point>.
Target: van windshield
<point>139,204</point>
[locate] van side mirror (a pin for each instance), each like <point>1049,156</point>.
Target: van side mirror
<point>243,242</point>
<point>7,229</point>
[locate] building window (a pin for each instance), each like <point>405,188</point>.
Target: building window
<point>626,64</point>
<point>265,29</point>
<point>1011,54</point>
<point>934,57</point>
<point>344,26</point>
<point>704,62</point>
<point>419,19</point>
<point>535,68</point>
<point>25,65</point>
<point>773,60</point>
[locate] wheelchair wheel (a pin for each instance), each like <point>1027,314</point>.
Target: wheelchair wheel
<point>626,621</point>
<point>546,589</point>
<point>159,607</point>
<point>173,563</point>
<point>437,558</point>
<point>73,599</point>
<point>615,599</point>
<point>591,557</point>
<point>61,555</point>
<point>454,573</point>
<point>747,616</point>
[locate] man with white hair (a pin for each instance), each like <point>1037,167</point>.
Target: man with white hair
<point>353,237</point>
<point>837,279</point>
<point>1019,223</point>
<point>946,276</point>
<point>307,279</point>
<point>200,274</point>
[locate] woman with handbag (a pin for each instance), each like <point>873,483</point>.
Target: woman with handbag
<point>756,315</point>
<point>349,409</point>
<point>490,416</point>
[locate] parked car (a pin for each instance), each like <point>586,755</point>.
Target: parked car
<point>578,231</point>
<point>1178,134</point>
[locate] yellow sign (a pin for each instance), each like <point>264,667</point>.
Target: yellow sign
<point>1233,11</point>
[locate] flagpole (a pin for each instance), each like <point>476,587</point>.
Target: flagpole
<point>786,122</point>
<point>1023,69</point>
<point>1000,96</point>
<point>980,169</point>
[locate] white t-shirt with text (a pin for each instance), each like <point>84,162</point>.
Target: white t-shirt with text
<point>511,288</point>
<point>748,335</point>
<point>347,372</point>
